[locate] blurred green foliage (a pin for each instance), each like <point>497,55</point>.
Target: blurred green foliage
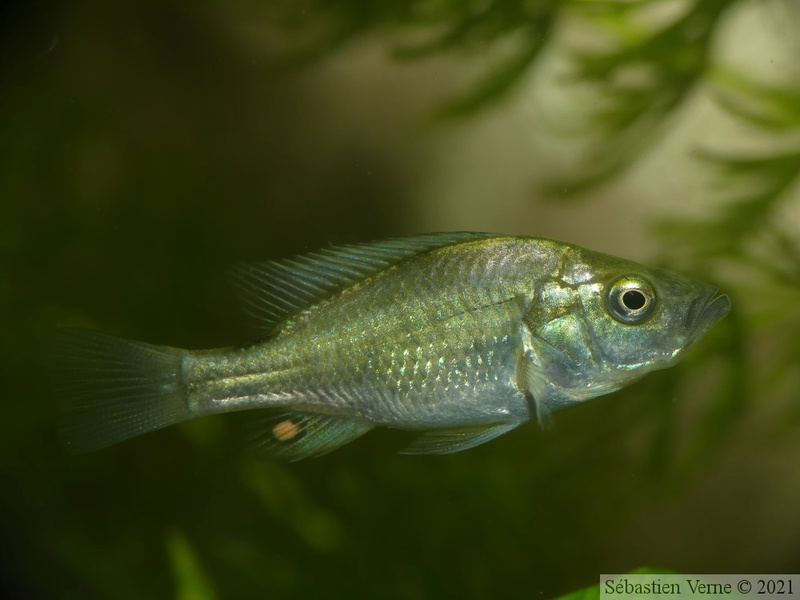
<point>142,150</point>
<point>644,72</point>
<point>647,75</point>
<point>593,592</point>
<point>522,27</point>
<point>755,187</point>
<point>190,578</point>
<point>642,69</point>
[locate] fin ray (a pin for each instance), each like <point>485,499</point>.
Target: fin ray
<point>534,381</point>
<point>271,291</point>
<point>448,441</point>
<point>293,435</point>
<point>111,389</point>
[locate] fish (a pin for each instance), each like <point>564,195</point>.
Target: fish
<point>460,337</point>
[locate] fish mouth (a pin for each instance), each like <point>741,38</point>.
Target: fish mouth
<point>717,307</point>
<point>710,312</point>
<point>703,314</point>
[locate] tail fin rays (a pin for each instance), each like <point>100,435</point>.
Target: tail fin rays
<point>112,389</point>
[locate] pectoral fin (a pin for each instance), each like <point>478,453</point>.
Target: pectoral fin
<point>533,382</point>
<point>447,441</point>
<point>294,435</point>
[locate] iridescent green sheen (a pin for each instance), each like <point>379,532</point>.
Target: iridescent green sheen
<point>462,336</point>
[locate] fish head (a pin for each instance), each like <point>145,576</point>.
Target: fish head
<point>649,317</point>
<point>607,322</point>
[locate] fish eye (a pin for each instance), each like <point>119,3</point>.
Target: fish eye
<point>631,300</point>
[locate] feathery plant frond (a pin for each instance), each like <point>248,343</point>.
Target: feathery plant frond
<point>647,75</point>
<point>480,25</point>
<point>646,63</point>
<point>334,24</point>
<point>773,108</point>
<point>757,185</point>
<point>752,229</point>
<point>519,28</point>
<point>650,65</point>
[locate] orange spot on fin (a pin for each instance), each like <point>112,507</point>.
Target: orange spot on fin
<point>285,430</point>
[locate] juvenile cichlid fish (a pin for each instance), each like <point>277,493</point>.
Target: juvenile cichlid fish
<point>460,336</point>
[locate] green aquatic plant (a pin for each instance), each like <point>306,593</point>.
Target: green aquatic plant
<point>755,188</point>
<point>517,30</point>
<point>752,234</point>
<point>749,239</point>
<point>149,148</point>
<point>593,592</point>
<point>643,74</point>
<point>642,64</point>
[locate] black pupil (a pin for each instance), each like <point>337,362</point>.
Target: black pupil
<point>633,299</point>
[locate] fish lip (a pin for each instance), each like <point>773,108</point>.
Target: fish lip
<point>717,307</point>
<point>702,315</point>
<point>711,312</point>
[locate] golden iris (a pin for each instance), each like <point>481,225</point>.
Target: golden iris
<point>631,300</point>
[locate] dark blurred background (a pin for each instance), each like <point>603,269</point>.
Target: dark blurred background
<point>145,146</point>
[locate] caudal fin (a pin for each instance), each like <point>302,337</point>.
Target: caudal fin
<point>112,389</point>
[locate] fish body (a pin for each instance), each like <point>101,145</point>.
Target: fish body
<point>462,336</point>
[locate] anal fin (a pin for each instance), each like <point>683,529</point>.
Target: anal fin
<point>294,435</point>
<point>447,441</point>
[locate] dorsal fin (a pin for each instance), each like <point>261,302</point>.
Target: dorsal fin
<point>274,290</point>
